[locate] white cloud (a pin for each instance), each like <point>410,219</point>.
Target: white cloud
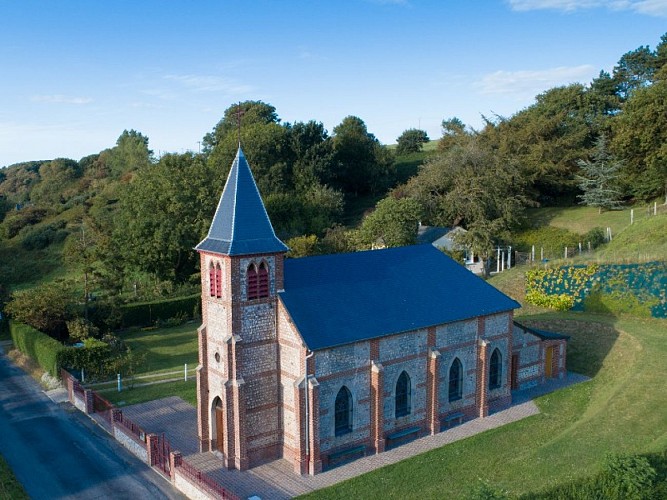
<point>207,83</point>
<point>61,99</point>
<point>656,8</point>
<point>528,83</point>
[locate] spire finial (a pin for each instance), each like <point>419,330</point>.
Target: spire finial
<point>239,114</point>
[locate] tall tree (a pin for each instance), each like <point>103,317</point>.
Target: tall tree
<point>394,222</point>
<point>598,178</point>
<point>640,139</point>
<point>635,70</point>
<point>130,153</point>
<point>411,141</point>
<point>163,214</point>
<point>362,164</point>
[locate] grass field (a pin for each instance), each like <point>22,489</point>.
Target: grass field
<point>10,488</point>
<point>621,410</point>
<point>166,349</point>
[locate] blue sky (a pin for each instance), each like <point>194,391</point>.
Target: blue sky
<point>75,74</point>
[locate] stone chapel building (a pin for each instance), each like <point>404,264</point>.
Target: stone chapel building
<point>323,359</point>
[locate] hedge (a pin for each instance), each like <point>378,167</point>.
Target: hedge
<point>147,313</point>
<point>37,345</point>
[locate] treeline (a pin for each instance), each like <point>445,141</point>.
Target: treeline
<point>122,216</point>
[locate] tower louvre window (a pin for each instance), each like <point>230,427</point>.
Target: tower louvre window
<point>263,281</point>
<point>211,280</point>
<point>218,281</point>
<point>252,282</point>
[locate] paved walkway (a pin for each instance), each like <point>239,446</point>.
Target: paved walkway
<point>277,480</point>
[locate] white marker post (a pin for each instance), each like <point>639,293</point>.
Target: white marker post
<point>185,372</point>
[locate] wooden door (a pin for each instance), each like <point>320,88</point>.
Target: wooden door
<point>548,362</point>
<point>219,428</point>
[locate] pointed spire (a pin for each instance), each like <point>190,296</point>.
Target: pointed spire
<point>241,225</point>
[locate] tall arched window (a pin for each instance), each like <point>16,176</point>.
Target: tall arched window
<point>343,412</point>
<point>263,281</point>
<point>211,279</point>
<point>252,283</point>
<point>403,395</point>
<point>495,370</point>
<point>218,280</point>
<point>455,380</point>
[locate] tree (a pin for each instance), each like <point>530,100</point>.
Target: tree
<point>46,308</point>
<point>362,164</point>
<point>640,140</point>
<point>250,113</point>
<point>453,132</point>
<point>411,141</point>
<point>130,153</point>
<point>163,214</point>
<point>598,179</point>
<point>394,222</point>
<point>634,70</point>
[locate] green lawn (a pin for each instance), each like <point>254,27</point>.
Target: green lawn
<point>166,349</point>
<point>10,488</point>
<point>130,396</point>
<point>622,409</point>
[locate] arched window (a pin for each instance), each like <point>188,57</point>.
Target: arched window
<point>218,281</point>
<point>343,412</point>
<point>495,370</point>
<point>263,281</point>
<point>403,395</point>
<point>253,281</point>
<point>455,380</point>
<point>211,279</point>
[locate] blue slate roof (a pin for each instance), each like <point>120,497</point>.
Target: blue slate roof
<point>344,298</point>
<point>240,225</point>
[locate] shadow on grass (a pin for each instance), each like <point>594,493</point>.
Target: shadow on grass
<point>591,338</point>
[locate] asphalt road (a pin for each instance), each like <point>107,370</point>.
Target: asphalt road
<point>56,452</point>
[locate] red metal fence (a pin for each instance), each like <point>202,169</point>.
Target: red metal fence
<point>102,406</point>
<point>202,479</point>
<point>132,429</point>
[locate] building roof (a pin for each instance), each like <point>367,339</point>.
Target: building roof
<point>344,298</point>
<point>240,225</point>
<point>543,334</point>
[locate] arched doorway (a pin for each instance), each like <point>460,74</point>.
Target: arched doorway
<point>217,425</point>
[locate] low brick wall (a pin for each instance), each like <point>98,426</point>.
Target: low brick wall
<point>136,447</point>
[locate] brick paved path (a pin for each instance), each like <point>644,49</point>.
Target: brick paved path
<point>277,480</point>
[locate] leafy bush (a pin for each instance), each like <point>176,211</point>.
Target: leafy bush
<point>560,302</point>
<point>18,220</point>
<point>627,477</point>
<point>37,345</point>
<point>596,237</point>
<point>41,237</point>
<point>147,313</point>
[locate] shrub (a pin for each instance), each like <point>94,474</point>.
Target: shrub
<point>147,313</point>
<point>41,237</point>
<point>595,236</point>
<point>627,477</point>
<point>37,345</point>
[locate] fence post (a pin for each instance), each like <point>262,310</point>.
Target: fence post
<point>532,254</point>
<point>89,404</point>
<point>632,215</point>
<point>151,446</point>
<point>566,252</point>
<point>175,460</point>
<point>119,383</point>
<point>509,257</point>
<point>655,208</point>
<point>185,372</point>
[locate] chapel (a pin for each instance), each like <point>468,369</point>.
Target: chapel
<point>321,360</point>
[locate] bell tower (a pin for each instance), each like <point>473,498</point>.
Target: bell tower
<point>238,375</point>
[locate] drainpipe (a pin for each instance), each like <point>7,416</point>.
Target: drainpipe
<point>308,356</point>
